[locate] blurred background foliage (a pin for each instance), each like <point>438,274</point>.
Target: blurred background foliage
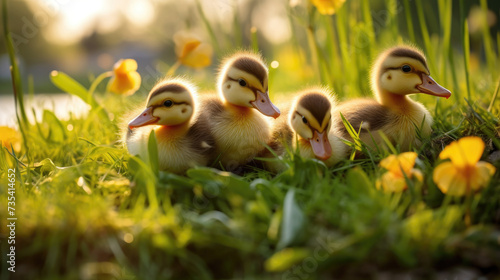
<point>85,37</point>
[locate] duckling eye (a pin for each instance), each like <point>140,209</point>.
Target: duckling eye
<point>406,68</point>
<point>304,120</point>
<point>168,103</point>
<point>242,82</point>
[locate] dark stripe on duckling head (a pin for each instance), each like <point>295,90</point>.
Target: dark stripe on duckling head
<point>317,104</point>
<point>167,87</point>
<point>251,66</point>
<point>411,53</point>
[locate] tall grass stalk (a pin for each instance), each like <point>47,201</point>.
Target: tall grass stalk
<point>209,28</point>
<point>491,58</point>
<point>409,20</point>
<point>495,95</point>
<point>16,75</point>
<point>429,49</point>
<point>464,28</point>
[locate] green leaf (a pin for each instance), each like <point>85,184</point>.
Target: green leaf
<point>57,132</point>
<point>285,259</point>
<point>293,223</point>
<point>46,166</point>
<point>153,152</point>
<point>357,178</point>
<point>235,184</point>
<point>69,85</point>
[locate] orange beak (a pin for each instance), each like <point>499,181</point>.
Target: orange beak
<point>320,145</point>
<point>429,86</point>
<point>264,105</point>
<point>145,118</point>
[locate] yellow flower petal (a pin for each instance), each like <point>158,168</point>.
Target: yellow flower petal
<point>123,66</point>
<point>191,51</point>
<point>449,179</point>
<point>465,152</point>
<point>327,7</point>
<point>481,175</point>
<point>10,136</point>
<point>391,183</point>
<point>189,47</point>
<point>401,163</point>
<point>125,79</point>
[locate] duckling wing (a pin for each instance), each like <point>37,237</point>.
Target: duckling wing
<point>365,113</point>
<point>202,140</point>
<point>282,134</point>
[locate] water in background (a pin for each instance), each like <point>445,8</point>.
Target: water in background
<point>63,105</point>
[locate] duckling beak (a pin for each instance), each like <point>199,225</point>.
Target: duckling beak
<point>320,145</point>
<point>429,86</point>
<point>264,105</point>
<point>143,119</point>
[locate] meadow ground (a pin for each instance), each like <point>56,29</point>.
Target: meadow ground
<point>87,209</point>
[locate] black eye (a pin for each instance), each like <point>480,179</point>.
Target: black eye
<point>168,103</point>
<point>304,120</point>
<point>406,68</point>
<point>242,82</point>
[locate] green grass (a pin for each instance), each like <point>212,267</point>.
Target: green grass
<point>87,209</point>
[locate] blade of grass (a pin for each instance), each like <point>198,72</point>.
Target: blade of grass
<point>488,46</point>
<point>16,76</point>
<point>409,20</point>
<point>209,28</point>
<point>467,59</point>
<point>464,28</point>
<point>254,39</point>
<point>495,95</point>
<point>425,34</point>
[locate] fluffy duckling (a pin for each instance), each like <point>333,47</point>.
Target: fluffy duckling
<point>309,125</point>
<point>397,72</point>
<point>311,121</point>
<point>182,133</point>
<point>238,117</point>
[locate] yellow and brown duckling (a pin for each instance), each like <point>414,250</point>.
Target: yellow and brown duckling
<point>182,134</point>
<point>311,121</point>
<point>239,116</point>
<point>398,72</point>
<point>309,126</point>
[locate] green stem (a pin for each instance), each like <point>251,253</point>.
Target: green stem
<point>173,68</point>
<point>254,39</point>
<point>208,26</point>
<point>495,95</point>
<point>16,76</point>
<point>98,80</point>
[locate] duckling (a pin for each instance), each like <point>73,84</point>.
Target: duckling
<point>182,133</point>
<point>397,72</point>
<point>309,123</point>
<point>237,117</point>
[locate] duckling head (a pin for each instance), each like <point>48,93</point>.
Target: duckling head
<point>402,71</point>
<point>170,103</point>
<point>243,82</point>
<point>311,119</point>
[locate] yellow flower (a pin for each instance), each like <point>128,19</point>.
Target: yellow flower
<point>397,168</point>
<point>464,173</point>
<point>125,79</point>
<point>327,7</point>
<point>191,51</point>
<point>10,136</point>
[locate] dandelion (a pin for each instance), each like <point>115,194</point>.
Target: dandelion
<point>399,170</point>
<point>191,51</point>
<point>124,80</point>
<point>327,7</point>
<point>10,136</point>
<point>464,172</point>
